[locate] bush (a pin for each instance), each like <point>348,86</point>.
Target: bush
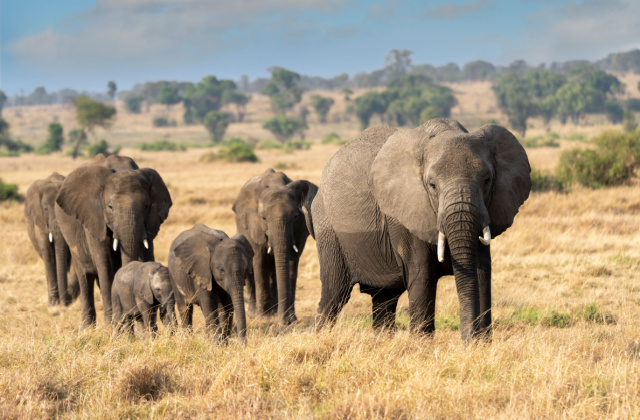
<point>101,147</point>
<point>630,124</point>
<point>163,122</point>
<point>9,192</point>
<point>238,151</point>
<point>216,123</point>
<point>284,128</point>
<point>159,145</point>
<point>557,319</point>
<point>269,145</point>
<point>54,141</point>
<point>613,162</point>
<point>334,138</point>
<point>292,145</point>
<point>133,103</point>
<point>541,181</point>
<point>548,140</point>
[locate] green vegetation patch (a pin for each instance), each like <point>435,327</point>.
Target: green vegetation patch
<point>236,152</point>
<point>9,192</point>
<point>160,145</point>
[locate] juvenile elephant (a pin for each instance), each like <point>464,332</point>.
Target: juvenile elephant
<point>209,269</point>
<point>48,241</point>
<point>109,214</point>
<point>398,209</point>
<point>270,214</point>
<point>139,290</point>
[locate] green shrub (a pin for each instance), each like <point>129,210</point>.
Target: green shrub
<point>238,151</point>
<point>284,128</point>
<point>334,138</point>
<point>592,313</point>
<point>300,144</point>
<point>54,141</point>
<point>9,192</point>
<point>527,315</point>
<point>101,147</point>
<point>629,121</point>
<point>612,162</point>
<point>281,166</point>
<point>578,137</point>
<point>163,122</point>
<point>159,145</point>
<point>269,145</point>
<point>541,181</point>
<point>216,123</point>
<point>557,319</point>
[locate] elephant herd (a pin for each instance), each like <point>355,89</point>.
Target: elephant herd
<point>396,210</point>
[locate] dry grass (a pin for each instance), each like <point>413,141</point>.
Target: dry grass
<point>572,257</point>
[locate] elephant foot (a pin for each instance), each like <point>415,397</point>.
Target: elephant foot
<point>54,301</point>
<point>289,319</point>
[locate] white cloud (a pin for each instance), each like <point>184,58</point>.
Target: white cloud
<point>131,32</point>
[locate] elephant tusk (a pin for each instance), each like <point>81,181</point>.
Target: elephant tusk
<point>486,232</point>
<point>295,248</point>
<point>115,244</point>
<point>50,237</point>
<point>146,244</point>
<point>440,246</point>
<point>269,250</point>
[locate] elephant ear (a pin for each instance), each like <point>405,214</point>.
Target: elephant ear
<point>33,210</point>
<point>160,202</point>
<point>396,183</point>
<point>512,182</point>
<point>306,191</point>
<point>142,279</point>
<point>194,254</point>
<point>81,197</point>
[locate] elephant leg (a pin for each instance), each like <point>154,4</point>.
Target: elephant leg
<point>185,311</point>
<point>384,304</point>
<point>262,273</point>
<point>149,318</point>
<point>140,327</point>
<point>293,274</point>
<point>88,308</point>
<point>225,313</point>
<point>273,291</point>
<point>49,259</point>
<point>73,288</point>
<point>117,311</point>
<point>105,276</point>
<point>484,283</point>
<point>209,305</point>
<point>251,291</point>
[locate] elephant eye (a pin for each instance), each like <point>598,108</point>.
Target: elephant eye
<point>110,206</point>
<point>432,185</point>
<point>487,180</point>
<point>221,270</point>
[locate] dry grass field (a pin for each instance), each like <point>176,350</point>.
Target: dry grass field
<point>566,296</point>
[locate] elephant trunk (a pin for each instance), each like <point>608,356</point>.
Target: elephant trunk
<point>237,298</point>
<point>462,227</point>
<point>62,267</point>
<point>132,235</point>
<point>168,312</point>
<point>282,243</point>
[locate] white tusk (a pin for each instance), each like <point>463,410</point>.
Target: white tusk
<point>115,244</point>
<point>146,244</point>
<point>486,232</point>
<point>440,246</point>
<point>50,237</point>
<point>295,248</point>
<point>269,250</point>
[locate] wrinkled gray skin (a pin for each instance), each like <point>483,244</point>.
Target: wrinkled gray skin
<point>103,201</point>
<point>45,235</point>
<point>209,269</point>
<point>385,196</point>
<point>270,214</point>
<point>139,290</point>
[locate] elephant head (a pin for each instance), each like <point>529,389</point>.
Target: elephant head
<point>154,283</point>
<point>446,185</point>
<point>125,207</point>
<point>214,261</point>
<point>114,162</point>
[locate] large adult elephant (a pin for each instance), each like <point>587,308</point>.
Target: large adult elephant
<point>45,235</point>
<point>398,209</point>
<point>269,213</point>
<point>109,213</point>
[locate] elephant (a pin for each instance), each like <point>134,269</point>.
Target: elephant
<point>139,290</point>
<point>209,269</point>
<point>269,212</point>
<point>45,235</point>
<point>109,213</point>
<point>400,208</point>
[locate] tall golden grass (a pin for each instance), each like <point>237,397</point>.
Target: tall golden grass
<point>566,339</point>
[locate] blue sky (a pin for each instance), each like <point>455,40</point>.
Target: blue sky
<point>83,44</point>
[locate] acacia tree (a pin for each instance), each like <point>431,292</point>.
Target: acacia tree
<point>284,128</point>
<point>216,123</point>
<point>111,90</point>
<point>321,105</point>
<point>239,99</point>
<point>91,114</point>
<point>283,89</point>
<point>169,95</point>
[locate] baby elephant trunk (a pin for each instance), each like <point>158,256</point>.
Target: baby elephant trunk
<point>238,307</point>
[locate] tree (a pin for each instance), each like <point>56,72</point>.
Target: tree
<point>398,62</point>
<point>91,114</point>
<point>169,96</point>
<point>54,141</point>
<point>283,89</point>
<point>111,89</point>
<point>133,103</point>
<point>284,128</point>
<point>515,98</point>
<point>216,123</point>
<point>3,100</point>
<point>347,94</point>
<point>614,111</point>
<point>321,106</point>
<point>239,99</point>
<point>367,105</point>
<point>204,97</point>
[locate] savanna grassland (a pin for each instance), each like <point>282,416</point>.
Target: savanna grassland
<point>566,296</point>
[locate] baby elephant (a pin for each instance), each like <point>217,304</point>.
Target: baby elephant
<point>209,269</point>
<point>139,290</point>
